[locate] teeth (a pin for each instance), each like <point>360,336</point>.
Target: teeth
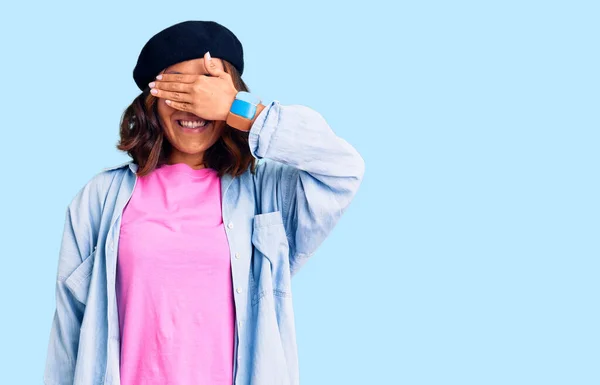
<point>193,124</point>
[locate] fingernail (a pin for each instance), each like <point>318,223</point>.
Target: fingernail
<point>168,101</point>
<point>159,77</point>
<point>151,85</point>
<point>154,91</point>
<point>209,57</point>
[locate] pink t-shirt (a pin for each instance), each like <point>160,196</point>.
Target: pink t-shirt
<point>174,286</point>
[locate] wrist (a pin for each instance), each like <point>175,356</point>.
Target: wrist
<point>244,110</point>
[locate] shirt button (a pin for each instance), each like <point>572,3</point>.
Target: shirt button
<point>237,255</point>
<point>230,225</point>
<point>240,323</point>
<point>111,245</point>
<point>239,290</point>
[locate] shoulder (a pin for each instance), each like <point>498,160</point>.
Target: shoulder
<point>270,171</point>
<point>269,167</point>
<point>95,190</point>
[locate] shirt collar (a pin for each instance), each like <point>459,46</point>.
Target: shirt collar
<point>225,180</point>
<point>132,166</point>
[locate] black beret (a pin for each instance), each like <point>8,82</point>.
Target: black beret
<point>185,41</point>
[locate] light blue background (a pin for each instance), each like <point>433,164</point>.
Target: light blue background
<point>469,256</point>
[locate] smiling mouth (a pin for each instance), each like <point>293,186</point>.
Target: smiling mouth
<point>193,124</point>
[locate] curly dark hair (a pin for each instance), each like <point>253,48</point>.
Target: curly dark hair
<point>143,138</point>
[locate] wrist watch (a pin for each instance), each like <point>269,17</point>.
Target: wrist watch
<point>244,109</point>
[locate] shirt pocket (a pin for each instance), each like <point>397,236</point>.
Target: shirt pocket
<point>270,262</point>
<point>78,282</point>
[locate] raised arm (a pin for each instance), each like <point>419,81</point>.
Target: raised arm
<point>318,175</point>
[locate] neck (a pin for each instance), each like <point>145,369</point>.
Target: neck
<point>195,161</point>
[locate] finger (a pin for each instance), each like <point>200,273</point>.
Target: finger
<point>182,78</point>
<point>176,96</point>
<point>212,67</point>
<point>179,106</point>
<point>172,86</point>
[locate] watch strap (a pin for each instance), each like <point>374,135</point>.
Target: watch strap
<point>243,108</point>
<point>242,123</point>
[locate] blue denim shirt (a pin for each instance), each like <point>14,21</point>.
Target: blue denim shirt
<point>275,219</point>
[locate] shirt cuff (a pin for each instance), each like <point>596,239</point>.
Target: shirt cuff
<point>263,129</point>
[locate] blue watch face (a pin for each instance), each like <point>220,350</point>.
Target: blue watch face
<point>247,97</point>
<point>243,109</point>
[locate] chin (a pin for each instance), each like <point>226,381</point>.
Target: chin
<point>194,140</point>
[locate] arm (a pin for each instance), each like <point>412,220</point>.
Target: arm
<point>319,177</point>
<point>76,246</point>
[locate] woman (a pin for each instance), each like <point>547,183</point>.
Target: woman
<point>223,201</point>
